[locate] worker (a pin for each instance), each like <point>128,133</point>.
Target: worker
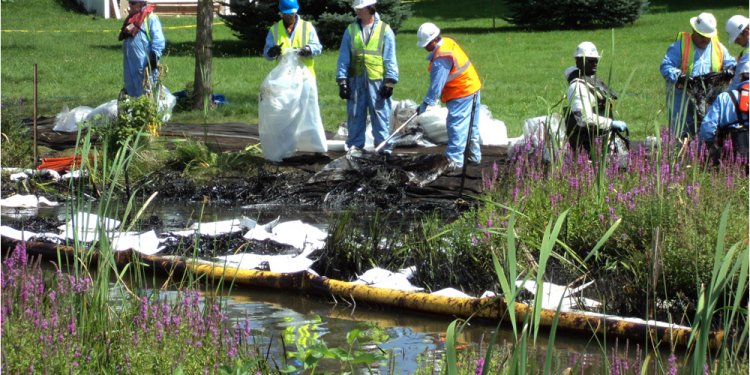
<point>292,32</point>
<point>692,54</point>
<point>728,119</point>
<point>456,83</point>
<point>142,48</point>
<point>738,30</point>
<point>366,73</point>
<point>590,101</point>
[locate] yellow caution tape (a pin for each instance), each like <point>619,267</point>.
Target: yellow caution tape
<point>97,31</point>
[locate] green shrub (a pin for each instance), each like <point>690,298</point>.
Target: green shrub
<point>330,17</point>
<point>573,14</point>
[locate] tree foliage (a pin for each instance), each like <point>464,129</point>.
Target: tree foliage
<point>251,20</point>
<point>573,14</point>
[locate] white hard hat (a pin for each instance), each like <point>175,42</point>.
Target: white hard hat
<point>586,49</point>
<point>745,68</point>
<point>359,4</point>
<point>735,26</point>
<point>426,33</point>
<point>704,24</point>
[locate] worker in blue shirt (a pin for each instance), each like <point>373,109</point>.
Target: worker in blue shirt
<point>738,30</point>
<point>454,81</point>
<point>367,71</point>
<point>728,118</point>
<point>142,47</point>
<point>292,32</point>
<point>691,55</point>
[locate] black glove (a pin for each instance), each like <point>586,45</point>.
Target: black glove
<point>152,60</point>
<point>683,80</point>
<point>386,91</point>
<point>343,90</point>
<point>306,51</point>
<point>274,52</point>
<point>728,73</point>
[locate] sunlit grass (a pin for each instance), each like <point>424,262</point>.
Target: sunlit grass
<point>518,68</point>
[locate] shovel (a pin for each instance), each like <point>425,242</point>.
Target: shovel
<point>382,144</point>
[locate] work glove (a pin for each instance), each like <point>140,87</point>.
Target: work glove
<point>305,51</point>
<point>153,61</point>
<point>274,52</point>
<point>422,107</point>
<point>343,90</point>
<point>683,80</point>
<point>727,73</point>
<point>619,126</point>
<point>386,91</point>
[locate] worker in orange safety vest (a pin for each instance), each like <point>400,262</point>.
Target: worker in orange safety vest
<point>456,83</point>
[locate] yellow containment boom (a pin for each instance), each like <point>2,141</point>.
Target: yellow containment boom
<point>494,308</point>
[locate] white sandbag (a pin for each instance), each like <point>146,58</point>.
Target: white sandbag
<point>433,123</point>
<point>104,114</point>
<point>289,117</point>
<point>402,110</point>
<point>69,120</point>
<point>492,132</point>
<point>166,103</point>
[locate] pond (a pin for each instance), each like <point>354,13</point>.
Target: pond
<point>298,318</point>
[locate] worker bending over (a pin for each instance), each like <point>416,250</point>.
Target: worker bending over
<point>456,83</point>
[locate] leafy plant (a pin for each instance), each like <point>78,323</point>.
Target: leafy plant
<point>573,14</point>
<point>251,20</point>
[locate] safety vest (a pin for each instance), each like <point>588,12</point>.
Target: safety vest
<point>463,79</point>
<point>688,53</point>
<point>368,58</point>
<point>301,39</point>
<point>741,104</point>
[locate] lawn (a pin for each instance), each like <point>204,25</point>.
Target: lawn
<point>79,60</point>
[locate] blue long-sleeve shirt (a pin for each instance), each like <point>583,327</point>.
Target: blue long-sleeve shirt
<point>741,61</point>
<point>441,69</point>
<point>136,50</point>
<point>722,114</point>
<point>390,63</point>
<point>312,37</point>
<point>672,61</point>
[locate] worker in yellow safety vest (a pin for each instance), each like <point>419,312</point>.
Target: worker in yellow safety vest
<point>692,55</point>
<point>456,83</point>
<point>366,72</point>
<point>292,32</point>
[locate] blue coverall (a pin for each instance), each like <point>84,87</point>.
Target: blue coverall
<point>459,115</point>
<point>364,92</point>
<point>670,70</point>
<point>741,61</point>
<point>135,55</point>
<point>722,114</point>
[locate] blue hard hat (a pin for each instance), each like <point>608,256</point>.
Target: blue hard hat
<point>288,6</point>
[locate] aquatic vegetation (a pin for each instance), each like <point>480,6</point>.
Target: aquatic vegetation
<point>47,326</point>
<point>668,203</point>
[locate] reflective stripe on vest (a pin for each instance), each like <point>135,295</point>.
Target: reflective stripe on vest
<point>463,79</point>
<point>688,53</point>
<point>300,38</point>
<point>368,58</point>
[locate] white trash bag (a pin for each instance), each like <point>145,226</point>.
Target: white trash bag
<point>289,117</point>
<point>104,114</point>
<point>68,120</point>
<point>492,132</point>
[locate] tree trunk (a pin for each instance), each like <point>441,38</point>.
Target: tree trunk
<point>202,86</point>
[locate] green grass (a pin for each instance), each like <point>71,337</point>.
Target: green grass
<point>80,60</point>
